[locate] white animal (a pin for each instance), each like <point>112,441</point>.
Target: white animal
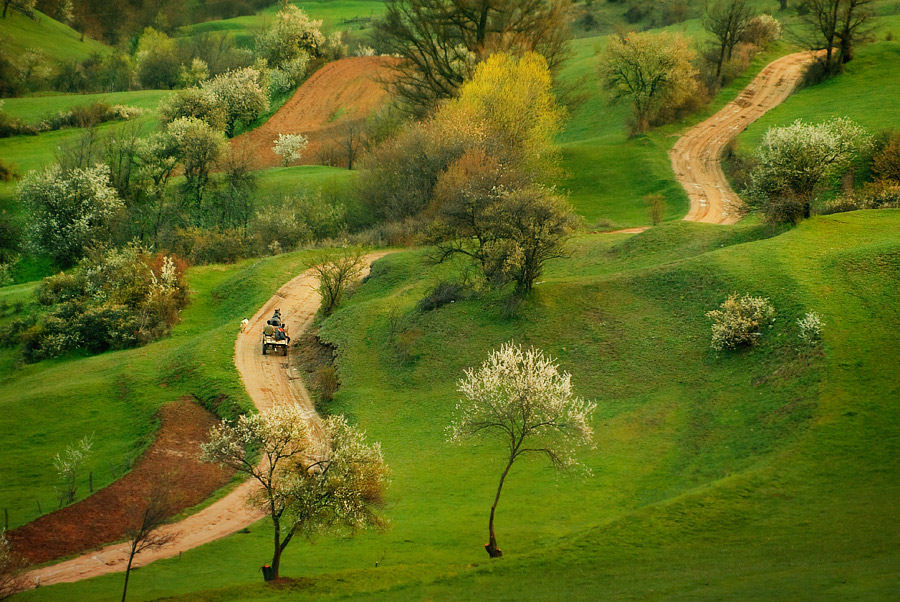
<point>244,324</point>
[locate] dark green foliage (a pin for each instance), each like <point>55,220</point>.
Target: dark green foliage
<point>445,292</point>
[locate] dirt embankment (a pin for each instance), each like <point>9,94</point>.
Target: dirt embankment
<point>340,93</point>
<point>174,457</point>
<point>696,157</point>
<point>270,381</point>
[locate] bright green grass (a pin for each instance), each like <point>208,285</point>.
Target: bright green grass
<point>868,92</point>
<point>286,181</point>
<point>32,109</point>
<point>46,406</point>
<point>337,15</point>
<point>34,152</point>
<point>60,42</point>
<point>766,473</point>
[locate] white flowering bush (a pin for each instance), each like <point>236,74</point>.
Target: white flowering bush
<point>67,211</point>
<point>793,161</point>
<point>363,50</point>
<point>520,397</point>
<point>10,566</point>
<point>810,328</point>
<point>241,95</point>
<point>739,321</point>
<point>290,147</point>
<point>291,34</point>
<point>68,466</point>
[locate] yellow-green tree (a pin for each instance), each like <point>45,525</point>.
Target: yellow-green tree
<point>652,70</point>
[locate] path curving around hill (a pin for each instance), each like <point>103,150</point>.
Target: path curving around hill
<point>696,156</point>
<point>270,381</point>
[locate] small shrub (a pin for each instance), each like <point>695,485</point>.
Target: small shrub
<point>810,328</point>
<point>762,30</point>
<point>442,294</point>
<point>874,195</point>
<point>289,147</point>
<point>886,162</point>
<point>8,171</point>
<point>739,321</point>
<point>327,382</point>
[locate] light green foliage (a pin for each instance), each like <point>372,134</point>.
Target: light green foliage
<point>739,321</point>
<point>653,71</point>
<point>198,147</point>
<point>240,94</point>
<point>158,65</point>
<point>68,211</point>
<point>193,102</point>
<point>193,75</point>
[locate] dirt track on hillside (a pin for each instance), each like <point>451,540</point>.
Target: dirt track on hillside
<point>105,515</point>
<point>269,381</point>
<point>697,154</point>
<point>343,91</point>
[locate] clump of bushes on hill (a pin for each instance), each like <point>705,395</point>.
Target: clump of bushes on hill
<point>739,321</point>
<point>471,176</point>
<point>111,300</point>
<point>82,116</point>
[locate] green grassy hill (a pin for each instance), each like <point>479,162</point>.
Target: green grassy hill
<point>337,15</point>
<point>768,473</point>
<point>58,41</point>
<point>763,473</point>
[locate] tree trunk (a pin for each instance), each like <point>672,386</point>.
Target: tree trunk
<point>276,556</point>
<point>720,61</point>
<point>491,547</point>
<point>127,573</point>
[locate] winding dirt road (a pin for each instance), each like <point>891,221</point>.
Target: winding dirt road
<point>696,156</point>
<point>270,381</point>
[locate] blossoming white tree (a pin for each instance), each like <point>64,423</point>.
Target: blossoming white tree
<point>68,210</point>
<point>290,147</point>
<point>521,397</point>
<point>793,161</point>
<point>311,481</point>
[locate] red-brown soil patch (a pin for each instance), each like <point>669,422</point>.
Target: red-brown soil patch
<point>104,516</point>
<point>342,91</point>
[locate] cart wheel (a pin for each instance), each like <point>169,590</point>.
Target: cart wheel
<point>285,350</point>
<point>264,348</point>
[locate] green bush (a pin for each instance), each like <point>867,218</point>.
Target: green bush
<point>111,300</point>
<point>201,246</point>
<point>442,294</point>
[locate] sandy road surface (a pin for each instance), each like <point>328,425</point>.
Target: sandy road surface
<point>269,381</point>
<point>696,156</point>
